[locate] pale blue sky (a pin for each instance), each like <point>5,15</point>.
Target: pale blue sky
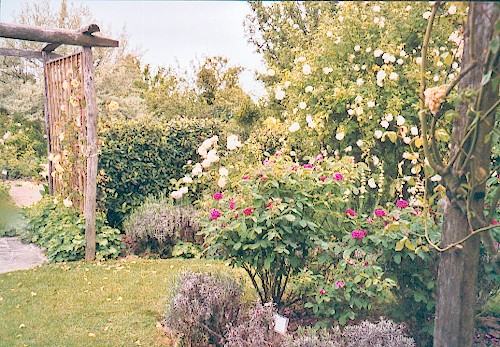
<point>170,30</point>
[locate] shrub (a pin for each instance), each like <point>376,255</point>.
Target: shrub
<point>61,231</point>
<point>156,226</point>
<point>203,307</point>
<point>139,158</point>
<point>383,334</point>
<point>256,329</point>
<point>311,338</point>
<point>21,146</point>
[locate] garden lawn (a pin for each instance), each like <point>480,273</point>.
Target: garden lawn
<point>113,303</point>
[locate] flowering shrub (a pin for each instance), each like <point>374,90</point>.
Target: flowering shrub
<point>155,227</point>
<point>272,218</point>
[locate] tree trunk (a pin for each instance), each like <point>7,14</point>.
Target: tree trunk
<point>458,268</point>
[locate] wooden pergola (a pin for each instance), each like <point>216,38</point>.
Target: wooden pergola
<point>82,64</point>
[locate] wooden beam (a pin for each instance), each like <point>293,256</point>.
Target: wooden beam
<point>92,152</point>
<point>45,58</point>
<point>51,35</point>
<point>87,30</point>
<point>12,52</point>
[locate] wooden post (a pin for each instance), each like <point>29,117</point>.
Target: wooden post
<point>91,152</point>
<point>45,58</point>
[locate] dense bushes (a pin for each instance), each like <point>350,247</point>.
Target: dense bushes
<point>61,231</point>
<point>140,157</point>
<point>21,146</point>
<point>159,228</point>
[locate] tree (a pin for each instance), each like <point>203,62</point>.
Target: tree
<point>466,220</point>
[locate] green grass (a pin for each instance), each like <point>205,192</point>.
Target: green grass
<point>114,303</point>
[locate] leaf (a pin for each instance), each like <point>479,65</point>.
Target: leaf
<point>442,135</point>
<point>495,44</point>
<point>397,258</point>
<point>486,78</point>
<point>392,135</point>
<point>289,217</point>
<point>400,245</point>
<point>409,245</point>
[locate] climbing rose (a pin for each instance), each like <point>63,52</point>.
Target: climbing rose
<point>350,212</point>
<point>218,196</point>
<point>340,284</point>
<point>380,213</point>
<point>321,291</point>
<point>247,211</point>
<point>308,166</point>
<point>402,203</point>
<point>214,214</point>
<point>358,234</point>
<point>433,97</point>
<point>338,177</point>
<point>232,204</point>
<point>322,178</point>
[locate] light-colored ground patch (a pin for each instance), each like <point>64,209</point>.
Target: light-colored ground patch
<point>15,255</point>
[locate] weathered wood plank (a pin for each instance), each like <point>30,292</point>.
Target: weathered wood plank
<point>47,119</point>
<point>87,30</point>
<point>91,151</point>
<point>51,35</point>
<point>12,52</point>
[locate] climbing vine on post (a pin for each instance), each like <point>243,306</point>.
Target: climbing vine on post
<point>464,167</point>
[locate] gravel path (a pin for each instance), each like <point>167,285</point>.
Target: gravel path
<point>15,255</point>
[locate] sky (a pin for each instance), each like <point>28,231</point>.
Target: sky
<point>171,32</point>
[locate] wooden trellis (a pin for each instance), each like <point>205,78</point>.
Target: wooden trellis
<point>70,111</point>
<point>67,118</point>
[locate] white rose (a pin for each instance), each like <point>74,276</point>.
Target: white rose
<point>360,82</point>
<point>414,131</point>
<point>378,134</point>
<point>223,171</point>
<point>222,181</point>
<point>302,105</point>
<point>176,194</point>
<point>187,180</point>
<point>376,160</point>
<point>400,120</point>
<point>389,117</point>
<point>271,72</point>
<point>280,94</point>
<point>340,136</point>
<point>384,124</point>
<point>371,104</point>
<point>371,183</point>
<point>197,170</point>
<point>452,10</point>
<point>309,89</point>
<point>378,52</point>
<point>67,202</point>
<point>294,127</point>
<point>436,178</point>
<point>393,76</point>
<point>306,69</point>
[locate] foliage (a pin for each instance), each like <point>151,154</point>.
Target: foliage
<point>384,333</point>
<point>155,227</point>
<point>139,157</point>
<point>354,88</point>
<point>255,329</point>
<point>61,231</point>
<point>311,338</point>
<point>202,308</point>
<point>21,146</point>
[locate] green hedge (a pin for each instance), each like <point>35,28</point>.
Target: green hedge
<point>139,158</point>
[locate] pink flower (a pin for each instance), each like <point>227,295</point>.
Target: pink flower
<point>236,215</point>
<point>232,204</point>
<point>322,178</point>
<point>380,213</point>
<point>402,203</point>
<point>319,157</point>
<point>308,166</point>
<point>494,222</point>
<point>350,212</point>
<point>370,220</point>
<point>321,292</point>
<point>350,261</point>
<point>268,162</point>
<point>338,177</point>
<point>293,168</point>
<point>278,153</point>
<point>263,178</point>
<point>245,177</point>
<point>247,211</point>
<point>340,284</point>
<point>218,196</point>
<point>366,263</point>
<point>270,205</point>
<point>358,234</point>
<point>214,214</point>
